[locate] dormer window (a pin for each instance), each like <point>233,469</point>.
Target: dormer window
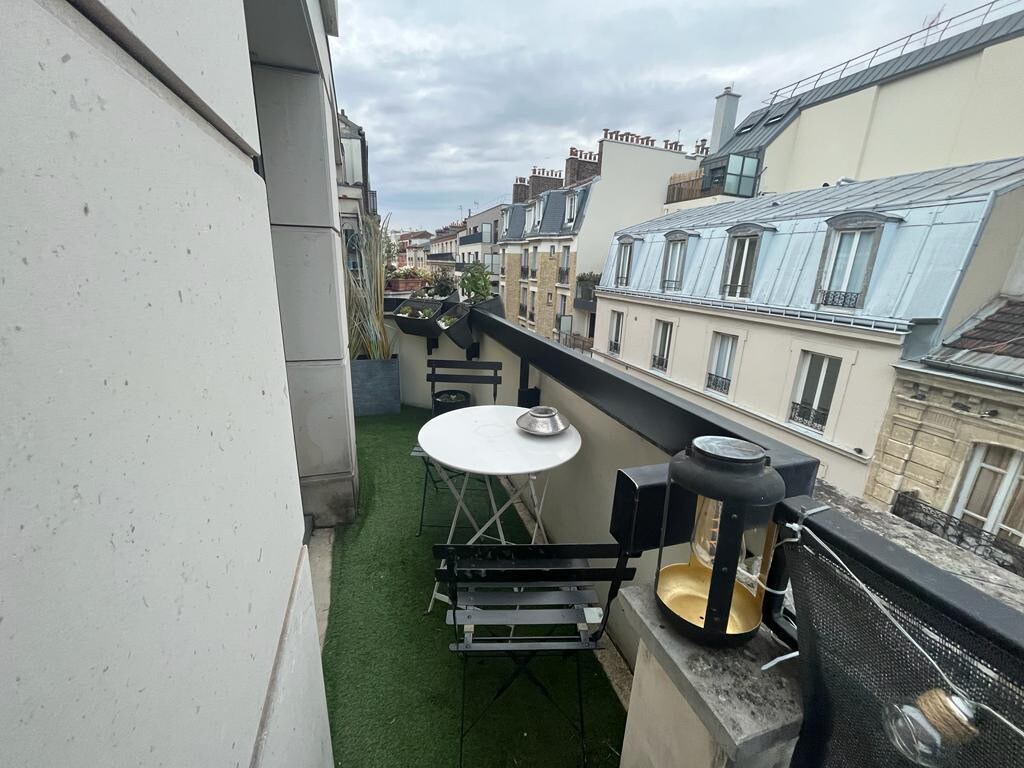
<point>539,217</point>
<point>571,199</point>
<point>505,215</point>
<point>848,258</point>
<point>623,261</point>
<point>531,216</point>
<point>741,260</point>
<point>672,265</point>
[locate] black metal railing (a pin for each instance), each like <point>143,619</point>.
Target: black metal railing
<point>584,298</point>
<point>522,310</point>
<point>659,363</point>
<point>736,290</point>
<point>718,383</point>
<point>532,316</point>
<point>563,275</point>
<point>473,237</point>
<point>621,281</point>
<point>524,272</point>
<point>533,273</point>
<point>502,270</point>
<point>613,347</point>
<point>847,299</point>
<point>808,416</point>
<point>1000,551</point>
<point>574,341</point>
<point>671,285</point>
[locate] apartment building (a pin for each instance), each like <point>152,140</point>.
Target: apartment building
<point>789,312</point>
<point>411,248</point>
<point>939,97</point>
<point>568,220</point>
<point>444,246</point>
<point>175,380</point>
<point>478,240</point>
<point>950,454</point>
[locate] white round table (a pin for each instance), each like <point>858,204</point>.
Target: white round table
<point>485,440</point>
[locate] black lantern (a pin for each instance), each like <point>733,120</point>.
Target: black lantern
<point>729,490</point>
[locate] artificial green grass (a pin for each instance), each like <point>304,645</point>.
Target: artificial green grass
<point>393,687</point>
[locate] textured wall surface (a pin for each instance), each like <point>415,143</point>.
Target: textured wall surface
<point>151,519</point>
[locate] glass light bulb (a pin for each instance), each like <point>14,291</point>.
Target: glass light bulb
<point>927,731</point>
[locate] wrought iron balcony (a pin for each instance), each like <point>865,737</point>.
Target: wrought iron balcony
<point>718,383</point>
<point>671,285</point>
<point>846,299</point>
<point>533,273</point>
<point>622,281</point>
<point>736,290</point>
<point>613,347</point>
<point>522,310</point>
<point>524,272</point>
<point>805,415</point>
<point>563,275</point>
<point>532,316</point>
<point>585,299</point>
<point>659,363</point>
<point>1000,551</point>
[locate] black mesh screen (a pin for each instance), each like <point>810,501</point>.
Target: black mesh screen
<point>855,662</point>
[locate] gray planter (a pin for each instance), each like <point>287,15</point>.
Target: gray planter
<point>375,386</point>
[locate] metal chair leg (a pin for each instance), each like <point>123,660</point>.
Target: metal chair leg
<point>462,715</point>
<point>579,705</point>
<point>423,499</point>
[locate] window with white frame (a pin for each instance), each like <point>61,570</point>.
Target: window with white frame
<point>615,332</point>
<point>540,212</point>
<point>816,386</point>
<point>662,345</point>
<point>505,216</point>
<point>522,301</point>
<point>672,266</point>
<point>849,255</point>
<point>739,266</point>
<point>991,495</point>
<point>531,216</point>
<point>562,300</point>
<point>533,262</point>
<point>623,262</point>
<point>570,207</point>
<point>723,353</point>
<point>564,263</point>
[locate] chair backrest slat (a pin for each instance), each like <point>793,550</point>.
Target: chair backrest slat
<point>494,379</point>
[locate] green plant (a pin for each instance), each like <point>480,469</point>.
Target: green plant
<point>476,282</point>
<point>588,277</point>
<point>409,272</point>
<point>451,317</point>
<point>370,251</point>
<point>442,283</point>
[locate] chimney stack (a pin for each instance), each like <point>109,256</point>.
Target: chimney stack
<point>726,104</point>
<point>580,165</point>
<point>520,190</point>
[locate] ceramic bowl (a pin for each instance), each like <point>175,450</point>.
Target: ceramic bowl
<point>543,420</point>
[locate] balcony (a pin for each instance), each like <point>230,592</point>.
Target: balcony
<point>585,298</point>
<point>659,362</point>
<point>473,237</point>
<point>522,311</point>
<point>671,285</point>
<point>736,290</point>
<point>806,416</point>
<point>533,273</point>
<point>844,299</point>
<point>717,383</point>
<point>692,189</point>
<point>524,272</point>
<point>532,316</point>
<point>614,347</point>
<point>576,341</point>
<point>445,256</point>
<point>381,649</point>
<point>563,275</point>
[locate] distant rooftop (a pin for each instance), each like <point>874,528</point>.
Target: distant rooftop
<point>992,23</point>
<point>960,183</point>
<point>990,344</point>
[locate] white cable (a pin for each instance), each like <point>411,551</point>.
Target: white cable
<point>885,611</point>
<point>778,659</point>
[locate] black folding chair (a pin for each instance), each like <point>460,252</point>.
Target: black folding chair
<point>547,591</point>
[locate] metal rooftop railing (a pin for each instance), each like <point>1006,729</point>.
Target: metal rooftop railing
<point>933,33</point>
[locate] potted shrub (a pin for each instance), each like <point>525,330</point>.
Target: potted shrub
<point>375,376</point>
<point>417,317</point>
<point>455,322</point>
<point>441,286</point>
<point>449,400</point>
<point>476,287</point>
<point>407,278</point>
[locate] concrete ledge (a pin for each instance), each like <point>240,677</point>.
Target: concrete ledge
<point>330,499</point>
<point>749,714</point>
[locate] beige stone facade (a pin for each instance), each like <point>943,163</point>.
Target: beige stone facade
<point>933,423</point>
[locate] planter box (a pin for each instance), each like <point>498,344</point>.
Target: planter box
<point>492,305</point>
<point>403,284</point>
<point>447,400</point>
<point>424,325</point>
<point>459,331</point>
<point>375,386</point>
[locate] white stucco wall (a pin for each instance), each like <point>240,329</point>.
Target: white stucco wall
<point>151,524</point>
<point>963,111</point>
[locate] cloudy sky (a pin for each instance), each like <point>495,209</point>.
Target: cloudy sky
<point>458,97</point>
